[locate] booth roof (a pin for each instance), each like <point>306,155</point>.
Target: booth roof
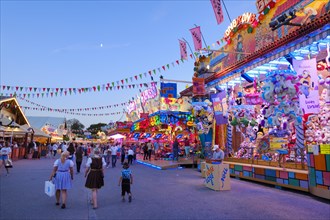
<point>37,131</point>
<point>40,121</point>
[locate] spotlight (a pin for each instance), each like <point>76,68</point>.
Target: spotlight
<point>273,24</point>
<point>292,13</point>
<point>282,18</point>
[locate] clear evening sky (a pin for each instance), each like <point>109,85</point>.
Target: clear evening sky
<point>88,43</point>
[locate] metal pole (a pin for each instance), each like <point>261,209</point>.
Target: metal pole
<point>223,2</point>
<point>189,48</point>
<point>226,51</point>
<point>172,80</point>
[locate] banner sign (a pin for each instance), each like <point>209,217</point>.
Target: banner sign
<point>216,4</point>
<point>217,100</point>
<point>149,94</point>
<point>183,49</point>
<point>198,86</point>
<point>309,92</point>
<point>197,37</point>
<point>168,90</point>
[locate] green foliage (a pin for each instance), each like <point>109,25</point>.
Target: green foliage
<point>94,128</point>
<point>75,125</point>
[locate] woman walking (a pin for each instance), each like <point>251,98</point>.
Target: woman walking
<point>94,174</point>
<point>5,153</point>
<point>63,176</point>
<point>79,157</point>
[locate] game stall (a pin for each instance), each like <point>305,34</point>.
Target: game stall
<point>274,85</point>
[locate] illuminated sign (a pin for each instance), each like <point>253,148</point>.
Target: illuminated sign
<point>131,107</point>
<point>246,18</point>
<point>150,93</point>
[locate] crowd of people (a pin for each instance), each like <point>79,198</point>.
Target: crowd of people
<point>98,158</point>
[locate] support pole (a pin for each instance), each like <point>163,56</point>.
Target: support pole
<point>189,48</point>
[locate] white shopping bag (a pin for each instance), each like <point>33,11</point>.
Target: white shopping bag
<point>49,188</point>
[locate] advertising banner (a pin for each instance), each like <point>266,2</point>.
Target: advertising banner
<point>217,100</point>
<point>309,92</point>
<point>198,86</point>
<point>216,4</point>
<point>168,90</point>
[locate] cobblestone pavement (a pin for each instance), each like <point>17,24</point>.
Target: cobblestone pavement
<point>157,194</point>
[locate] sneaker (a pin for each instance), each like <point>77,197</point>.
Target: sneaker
<point>129,198</point>
<point>63,206</point>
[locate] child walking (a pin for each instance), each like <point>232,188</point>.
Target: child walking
<point>126,179</point>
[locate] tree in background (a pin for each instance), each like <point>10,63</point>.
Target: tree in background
<point>95,128</point>
<point>75,127</point>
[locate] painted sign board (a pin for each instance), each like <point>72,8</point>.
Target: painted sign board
<point>217,176</point>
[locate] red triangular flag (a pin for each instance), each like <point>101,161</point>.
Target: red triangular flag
<point>136,77</point>
<point>163,67</point>
<point>177,61</point>
<point>122,81</point>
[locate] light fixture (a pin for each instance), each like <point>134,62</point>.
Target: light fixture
<point>282,18</point>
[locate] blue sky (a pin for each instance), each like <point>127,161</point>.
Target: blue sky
<point>58,44</point>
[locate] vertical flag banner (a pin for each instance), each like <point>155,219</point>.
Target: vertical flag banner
<point>168,90</point>
<point>198,86</point>
<point>197,37</point>
<point>183,49</point>
<point>309,97</point>
<point>218,100</point>
<point>216,4</point>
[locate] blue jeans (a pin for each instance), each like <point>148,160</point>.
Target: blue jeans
<point>175,154</point>
<point>187,150</point>
<point>113,160</point>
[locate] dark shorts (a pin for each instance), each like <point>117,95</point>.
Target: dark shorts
<point>125,186</point>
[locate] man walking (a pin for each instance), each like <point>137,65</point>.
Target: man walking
<point>114,149</point>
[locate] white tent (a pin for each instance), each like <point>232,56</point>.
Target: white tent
<point>117,136</point>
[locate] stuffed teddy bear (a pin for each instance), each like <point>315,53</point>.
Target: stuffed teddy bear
<point>326,135</point>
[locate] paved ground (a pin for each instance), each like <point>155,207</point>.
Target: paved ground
<point>157,194</point>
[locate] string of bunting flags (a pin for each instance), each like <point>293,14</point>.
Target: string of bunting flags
<point>46,92</point>
<point>37,92</point>
<point>58,110</point>
<point>75,109</point>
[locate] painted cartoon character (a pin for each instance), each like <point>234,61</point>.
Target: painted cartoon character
<point>239,47</point>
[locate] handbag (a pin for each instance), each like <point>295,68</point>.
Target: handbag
<point>9,163</point>
<point>49,188</point>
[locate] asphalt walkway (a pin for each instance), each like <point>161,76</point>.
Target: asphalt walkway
<point>157,194</point>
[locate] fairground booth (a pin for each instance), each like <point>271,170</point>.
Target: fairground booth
<point>270,91</point>
<point>16,129</point>
<point>159,116</point>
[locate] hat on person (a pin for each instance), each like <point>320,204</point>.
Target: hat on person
<point>215,147</point>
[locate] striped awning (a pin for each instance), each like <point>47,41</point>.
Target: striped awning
<point>281,52</point>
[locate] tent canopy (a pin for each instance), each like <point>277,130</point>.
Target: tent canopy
<point>117,136</point>
<point>37,132</point>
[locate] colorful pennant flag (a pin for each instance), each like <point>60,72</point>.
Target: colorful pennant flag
<point>197,37</point>
<point>216,4</point>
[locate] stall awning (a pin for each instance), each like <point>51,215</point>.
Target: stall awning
<point>281,52</point>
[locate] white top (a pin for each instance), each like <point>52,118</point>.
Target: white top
<point>64,147</point>
<point>54,147</point>
<point>56,163</point>
<point>130,152</point>
<point>114,150</point>
<point>218,155</point>
<point>5,151</point>
<point>89,162</point>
